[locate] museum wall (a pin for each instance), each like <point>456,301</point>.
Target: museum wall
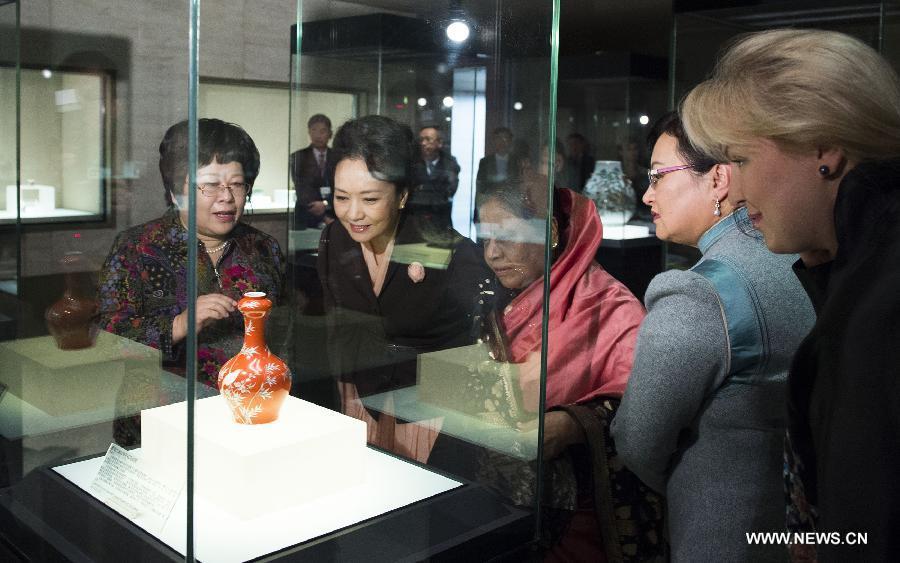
<point>238,41</point>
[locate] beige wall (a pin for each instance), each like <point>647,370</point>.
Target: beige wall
<point>263,112</point>
<point>238,41</point>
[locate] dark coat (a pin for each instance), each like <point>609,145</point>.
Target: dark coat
<point>578,171</point>
<point>487,173</point>
<point>844,386</point>
<point>438,189</point>
<point>307,179</point>
<point>374,340</point>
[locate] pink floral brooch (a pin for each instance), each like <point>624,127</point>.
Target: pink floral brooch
<point>416,272</point>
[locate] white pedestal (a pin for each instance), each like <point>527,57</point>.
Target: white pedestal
<point>388,483</point>
<point>249,470</point>
<point>35,197</point>
<point>66,382</point>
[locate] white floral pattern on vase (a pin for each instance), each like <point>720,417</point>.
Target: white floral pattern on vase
<point>255,382</point>
<point>611,193</point>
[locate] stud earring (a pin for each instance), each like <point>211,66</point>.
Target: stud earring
<point>718,210</point>
<point>824,170</point>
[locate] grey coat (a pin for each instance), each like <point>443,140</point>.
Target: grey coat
<point>703,416</point>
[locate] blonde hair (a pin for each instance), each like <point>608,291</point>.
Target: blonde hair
<point>801,89</point>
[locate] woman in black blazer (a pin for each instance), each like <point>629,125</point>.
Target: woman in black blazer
<point>384,312</point>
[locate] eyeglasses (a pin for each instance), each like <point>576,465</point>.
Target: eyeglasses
<point>211,189</point>
<point>656,174</point>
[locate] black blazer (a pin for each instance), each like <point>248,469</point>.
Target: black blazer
<point>487,172</point>
<point>438,189</point>
<point>844,385</point>
<point>308,179</point>
<point>374,340</point>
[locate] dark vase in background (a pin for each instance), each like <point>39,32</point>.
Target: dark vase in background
<point>71,319</point>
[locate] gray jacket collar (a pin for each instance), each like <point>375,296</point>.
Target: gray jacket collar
<point>725,225</point>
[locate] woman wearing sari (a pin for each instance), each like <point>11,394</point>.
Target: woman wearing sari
<point>592,329</point>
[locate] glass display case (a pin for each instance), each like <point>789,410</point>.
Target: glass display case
<point>607,102</point>
<point>700,31</point>
<point>292,280</point>
<point>139,340</point>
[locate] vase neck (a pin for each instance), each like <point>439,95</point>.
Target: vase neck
<point>255,332</point>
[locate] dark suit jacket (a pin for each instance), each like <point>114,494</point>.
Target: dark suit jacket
<point>438,189</point>
<point>374,340</point>
<point>844,385</point>
<point>578,171</point>
<point>308,179</point>
<point>487,173</point>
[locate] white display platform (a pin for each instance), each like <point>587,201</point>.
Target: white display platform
<point>309,443</point>
<point>405,404</point>
<point>61,383</point>
<point>429,256</point>
<point>304,239</point>
<point>625,232</point>
<point>45,214</point>
<point>387,483</point>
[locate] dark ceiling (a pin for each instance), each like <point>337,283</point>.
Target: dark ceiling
<point>586,26</point>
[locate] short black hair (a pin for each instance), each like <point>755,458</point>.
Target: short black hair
<point>386,146</point>
<point>216,140</point>
<point>318,118</point>
<point>502,131</point>
<point>436,126</point>
<point>670,124</point>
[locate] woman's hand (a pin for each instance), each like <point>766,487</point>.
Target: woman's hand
<point>560,432</point>
<point>210,307</point>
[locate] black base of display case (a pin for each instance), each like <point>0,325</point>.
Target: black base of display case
<point>47,518</point>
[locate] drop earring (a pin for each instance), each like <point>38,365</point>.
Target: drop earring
<point>824,170</point>
<point>718,210</point>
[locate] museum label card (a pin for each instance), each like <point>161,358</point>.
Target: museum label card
<point>131,491</point>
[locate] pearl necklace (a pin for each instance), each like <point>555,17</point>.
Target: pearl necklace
<point>217,248</point>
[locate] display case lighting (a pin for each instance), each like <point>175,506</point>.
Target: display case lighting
<point>458,31</point>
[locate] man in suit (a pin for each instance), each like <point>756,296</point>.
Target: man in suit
<point>312,171</point>
<point>499,167</point>
<point>579,164</point>
<point>436,177</point>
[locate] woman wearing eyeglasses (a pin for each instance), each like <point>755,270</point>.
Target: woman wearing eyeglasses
<point>143,294</point>
<point>702,416</point>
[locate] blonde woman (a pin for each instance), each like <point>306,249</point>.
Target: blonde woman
<point>812,121</point>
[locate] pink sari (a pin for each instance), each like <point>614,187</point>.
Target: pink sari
<point>593,321</point>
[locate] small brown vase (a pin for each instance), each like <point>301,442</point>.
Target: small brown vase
<point>255,382</point>
<point>71,319</point>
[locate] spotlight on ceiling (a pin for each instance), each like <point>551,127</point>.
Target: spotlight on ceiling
<point>458,31</point>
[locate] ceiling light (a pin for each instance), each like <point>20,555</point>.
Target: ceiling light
<point>458,31</point>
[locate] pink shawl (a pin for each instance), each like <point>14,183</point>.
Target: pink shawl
<point>593,321</point>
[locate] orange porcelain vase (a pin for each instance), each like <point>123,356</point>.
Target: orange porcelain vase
<point>255,382</point>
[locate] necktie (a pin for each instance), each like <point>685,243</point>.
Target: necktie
<point>320,158</point>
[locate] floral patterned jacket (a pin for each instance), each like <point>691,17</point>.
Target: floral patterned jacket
<point>143,286</point>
